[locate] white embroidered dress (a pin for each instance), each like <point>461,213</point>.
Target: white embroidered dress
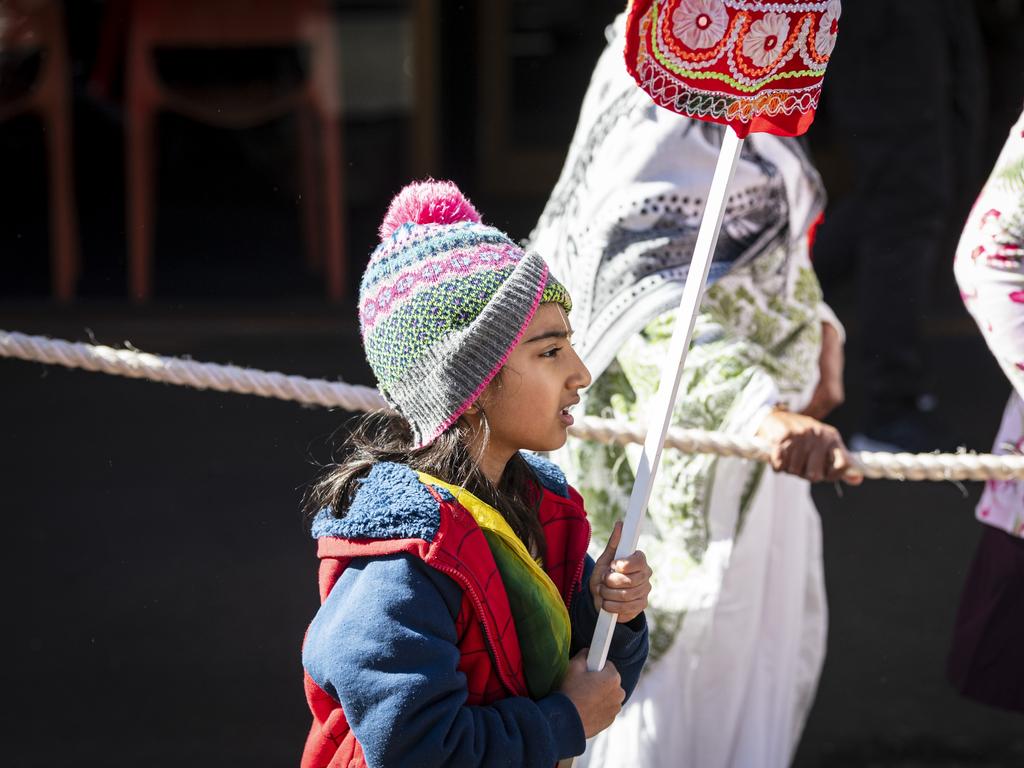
<point>990,271</point>
<point>738,611</point>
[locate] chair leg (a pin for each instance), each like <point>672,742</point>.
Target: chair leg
<point>139,199</point>
<point>53,101</point>
<point>334,212</point>
<point>326,98</point>
<point>55,110</point>
<point>63,218</point>
<point>311,203</point>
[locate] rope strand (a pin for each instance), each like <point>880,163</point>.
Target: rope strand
<point>353,397</point>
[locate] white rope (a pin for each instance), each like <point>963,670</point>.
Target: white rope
<point>352,397</point>
<point>173,370</point>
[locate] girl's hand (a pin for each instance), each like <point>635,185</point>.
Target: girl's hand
<point>597,696</point>
<point>620,586</point>
<point>807,448</point>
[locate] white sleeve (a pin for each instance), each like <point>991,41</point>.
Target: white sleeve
<point>826,315</point>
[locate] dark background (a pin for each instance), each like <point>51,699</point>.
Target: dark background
<point>160,574</point>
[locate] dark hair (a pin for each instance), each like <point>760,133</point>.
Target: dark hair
<point>386,436</point>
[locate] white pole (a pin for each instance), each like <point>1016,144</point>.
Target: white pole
<point>660,414</point>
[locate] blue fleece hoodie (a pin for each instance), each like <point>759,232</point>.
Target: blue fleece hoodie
<point>384,645</point>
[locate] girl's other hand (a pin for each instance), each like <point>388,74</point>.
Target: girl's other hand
<point>620,586</point>
<point>807,448</point>
<point>598,696</point>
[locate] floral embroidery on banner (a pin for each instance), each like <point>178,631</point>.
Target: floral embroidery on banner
<point>764,41</point>
<point>738,62</point>
<point>700,24</point>
<point>828,28</point>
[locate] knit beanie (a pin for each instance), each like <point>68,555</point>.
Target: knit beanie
<point>442,303</point>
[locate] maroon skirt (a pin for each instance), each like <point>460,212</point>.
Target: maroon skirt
<point>986,662</point>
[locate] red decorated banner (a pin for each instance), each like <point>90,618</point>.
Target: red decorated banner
<point>756,66</point>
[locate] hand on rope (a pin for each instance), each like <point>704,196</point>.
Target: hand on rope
<point>805,447</point>
<point>335,394</point>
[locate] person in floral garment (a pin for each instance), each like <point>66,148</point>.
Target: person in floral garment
<point>737,613</point>
<point>986,662</point>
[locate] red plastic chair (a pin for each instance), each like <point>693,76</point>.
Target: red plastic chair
<point>31,27</point>
<point>204,24</point>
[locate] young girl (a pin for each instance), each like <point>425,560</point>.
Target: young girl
<point>457,596</point>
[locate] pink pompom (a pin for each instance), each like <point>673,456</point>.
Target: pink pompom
<point>427,202</point>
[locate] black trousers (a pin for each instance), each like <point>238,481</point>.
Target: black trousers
<point>905,95</point>
<point>986,661</point>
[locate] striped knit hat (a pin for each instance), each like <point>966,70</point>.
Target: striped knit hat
<point>442,303</point>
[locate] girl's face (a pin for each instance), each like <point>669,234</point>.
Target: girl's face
<point>527,405</point>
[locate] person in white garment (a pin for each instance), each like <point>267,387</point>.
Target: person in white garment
<point>738,613</point>
<point>987,659</point>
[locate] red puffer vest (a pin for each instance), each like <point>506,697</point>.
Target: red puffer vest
<point>484,621</point>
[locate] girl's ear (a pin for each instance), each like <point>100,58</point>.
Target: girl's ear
<point>473,417</point>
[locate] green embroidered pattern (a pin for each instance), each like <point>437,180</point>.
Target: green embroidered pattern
<point>760,320</point>
<point>721,76</point>
<point>732,62</point>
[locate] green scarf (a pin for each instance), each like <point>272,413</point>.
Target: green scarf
<point>540,615</point>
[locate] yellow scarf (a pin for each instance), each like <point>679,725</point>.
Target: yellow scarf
<point>541,618</point>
